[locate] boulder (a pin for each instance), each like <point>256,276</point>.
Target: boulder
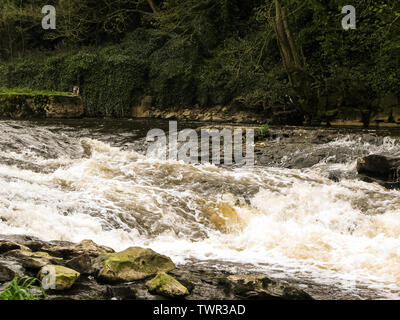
<point>82,264</point>
<point>13,265</point>
<point>70,251</point>
<point>259,287</point>
<point>134,263</point>
<point>32,260</point>
<point>31,242</point>
<point>62,277</point>
<point>381,169</point>
<point>166,285</point>
<point>6,246</point>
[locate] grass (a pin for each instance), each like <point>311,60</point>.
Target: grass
<point>263,130</point>
<point>20,289</point>
<point>30,92</point>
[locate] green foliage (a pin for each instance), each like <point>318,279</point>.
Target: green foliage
<point>205,52</point>
<point>263,130</point>
<point>21,289</point>
<point>30,92</point>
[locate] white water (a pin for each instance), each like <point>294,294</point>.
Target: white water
<point>297,222</point>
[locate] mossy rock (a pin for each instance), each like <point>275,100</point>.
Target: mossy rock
<point>166,285</point>
<point>134,263</point>
<point>63,277</point>
<point>32,260</point>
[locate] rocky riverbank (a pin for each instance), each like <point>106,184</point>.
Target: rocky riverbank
<point>238,112</point>
<point>87,271</point>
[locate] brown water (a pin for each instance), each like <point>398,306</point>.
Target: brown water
<point>83,179</point>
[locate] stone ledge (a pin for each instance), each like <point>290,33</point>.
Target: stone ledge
<point>25,106</point>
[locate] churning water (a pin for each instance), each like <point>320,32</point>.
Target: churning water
<point>83,180</point>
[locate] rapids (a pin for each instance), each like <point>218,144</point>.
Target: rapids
<point>84,179</point>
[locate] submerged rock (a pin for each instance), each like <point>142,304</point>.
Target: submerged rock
<point>131,264</point>
<point>64,277</point>
<point>166,285</point>
<point>380,169</point>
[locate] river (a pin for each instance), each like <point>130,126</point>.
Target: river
<point>84,179</point>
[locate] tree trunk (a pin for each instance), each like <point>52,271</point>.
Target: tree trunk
<point>290,56</point>
<point>296,57</point>
<point>153,6</point>
<point>300,80</point>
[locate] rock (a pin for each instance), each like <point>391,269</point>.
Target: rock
<point>166,285</point>
<point>33,260</point>
<point>258,287</point>
<point>82,264</point>
<point>6,274</point>
<point>87,247</point>
<point>31,242</point>
<point>305,161</point>
<point>335,176</point>
<point>125,292</point>
<point>13,264</point>
<point>131,264</point>
<point>381,169</point>
<point>85,288</point>
<point>64,107</point>
<point>64,277</point>
<point>6,246</point>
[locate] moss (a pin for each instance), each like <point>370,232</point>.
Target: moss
<point>64,277</point>
<point>132,264</point>
<point>41,254</point>
<point>166,285</point>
